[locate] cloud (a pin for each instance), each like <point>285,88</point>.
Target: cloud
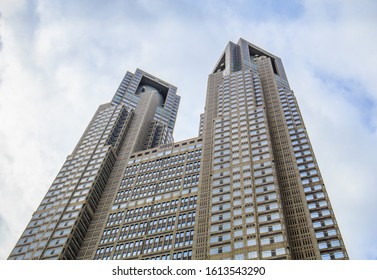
<point>61,59</point>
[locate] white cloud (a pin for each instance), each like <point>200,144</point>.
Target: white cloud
<point>60,60</point>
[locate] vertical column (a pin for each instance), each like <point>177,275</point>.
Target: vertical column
<point>303,244</point>
<point>204,198</point>
<point>134,141</point>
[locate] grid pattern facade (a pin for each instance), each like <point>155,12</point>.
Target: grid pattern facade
<point>73,213</point>
<point>248,187</point>
<point>153,213</point>
<point>266,198</point>
<point>62,219</point>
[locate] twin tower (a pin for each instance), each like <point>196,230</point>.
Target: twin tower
<point>247,187</point>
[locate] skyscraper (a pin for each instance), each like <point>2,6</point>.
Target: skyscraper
<point>248,187</point>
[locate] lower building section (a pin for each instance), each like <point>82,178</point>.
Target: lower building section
<point>154,210</point>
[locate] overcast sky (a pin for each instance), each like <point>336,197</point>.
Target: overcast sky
<point>59,60</point>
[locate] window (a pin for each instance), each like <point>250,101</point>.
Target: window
<point>239,257</point>
<point>238,245</point>
<point>252,255</point>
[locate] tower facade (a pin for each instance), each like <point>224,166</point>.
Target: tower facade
<point>248,187</point>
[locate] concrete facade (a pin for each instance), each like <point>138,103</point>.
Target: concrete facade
<point>248,187</point>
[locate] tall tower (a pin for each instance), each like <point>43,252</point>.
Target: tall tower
<point>248,187</point>
<point>140,116</point>
<point>261,192</point>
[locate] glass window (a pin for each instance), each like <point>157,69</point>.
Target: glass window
<point>252,255</point>
<point>239,257</point>
<point>238,245</point>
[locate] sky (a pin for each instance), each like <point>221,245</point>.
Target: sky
<point>59,60</point>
